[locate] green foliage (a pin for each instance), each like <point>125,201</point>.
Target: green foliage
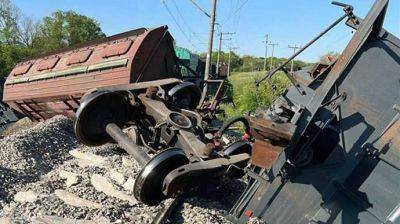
<point>21,37</point>
<point>10,55</point>
<point>248,63</point>
<point>247,97</point>
<point>236,61</point>
<point>63,29</point>
<point>9,16</point>
<point>253,64</point>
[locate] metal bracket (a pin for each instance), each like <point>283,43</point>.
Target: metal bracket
<point>333,104</point>
<point>256,176</point>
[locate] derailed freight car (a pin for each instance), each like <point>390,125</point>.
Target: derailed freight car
<point>51,84</point>
<point>328,151</point>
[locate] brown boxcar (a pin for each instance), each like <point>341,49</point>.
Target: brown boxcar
<point>51,84</point>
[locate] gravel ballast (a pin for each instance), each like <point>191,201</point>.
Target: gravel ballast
<point>58,180</point>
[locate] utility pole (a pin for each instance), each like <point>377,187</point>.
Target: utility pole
<point>295,47</point>
<point>219,48</point>
<point>209,50</point>
<point>266,51</point>
<point>229,60</point>
<point>272,53</point>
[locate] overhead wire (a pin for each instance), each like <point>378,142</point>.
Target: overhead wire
<point>194,34</point>
<point>237,19</point>
<point>241,6</point>
<point>230,13</point>
<point>199,7</point>
<point>178,25</point>
<point>184,21</point>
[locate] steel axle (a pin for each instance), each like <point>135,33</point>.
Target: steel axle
<point>126,143</point>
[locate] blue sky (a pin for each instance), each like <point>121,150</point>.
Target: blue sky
<point>287,22</point>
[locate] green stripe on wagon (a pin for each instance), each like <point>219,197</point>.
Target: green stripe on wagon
<point>71,71</point>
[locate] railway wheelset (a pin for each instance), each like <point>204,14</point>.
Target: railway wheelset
<point>159,126</point>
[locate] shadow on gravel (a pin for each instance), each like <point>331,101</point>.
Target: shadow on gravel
<point>28,154</point>
<point>213,197</point>
<point>12,177</point>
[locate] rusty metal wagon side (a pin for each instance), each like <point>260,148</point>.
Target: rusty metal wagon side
<point>54,83</point>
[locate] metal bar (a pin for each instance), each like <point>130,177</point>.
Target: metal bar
<point>26,112</point>
<point>140,85</point>
<point>341,4</point>
<point>126,143</point>
<point>272,72</point>
<point>69,105</point>
<point>214,80</point>
<point>293,81</point>
<point>216,97</point>
<point>34,110</point>
<point>75,100</point>
<point>256,176</point>
<point>44,111</point>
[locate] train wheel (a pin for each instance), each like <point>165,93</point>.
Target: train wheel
<point>96,111</point>
<point>148,184</point>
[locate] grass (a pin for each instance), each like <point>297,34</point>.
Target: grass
<point>247,97</point>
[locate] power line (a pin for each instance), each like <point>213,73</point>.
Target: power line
<point>241,6</point>
<point>295,47</point>
<point>230,13</point>
<point>199,7</point>
<point>184,21</point>
<point>179,27</point>
<point>236,19</point>
<point>236,11</point>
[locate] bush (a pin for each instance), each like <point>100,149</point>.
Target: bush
<point>247,97</point>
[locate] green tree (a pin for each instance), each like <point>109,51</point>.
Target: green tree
<point>22,37</point>
<point>63,29</point>
<point>12,49</point>
<point>27,31</point>
<point>9,17</point>
<point>10,54</point>
<point>249,63</point>
<point>236,61</point>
